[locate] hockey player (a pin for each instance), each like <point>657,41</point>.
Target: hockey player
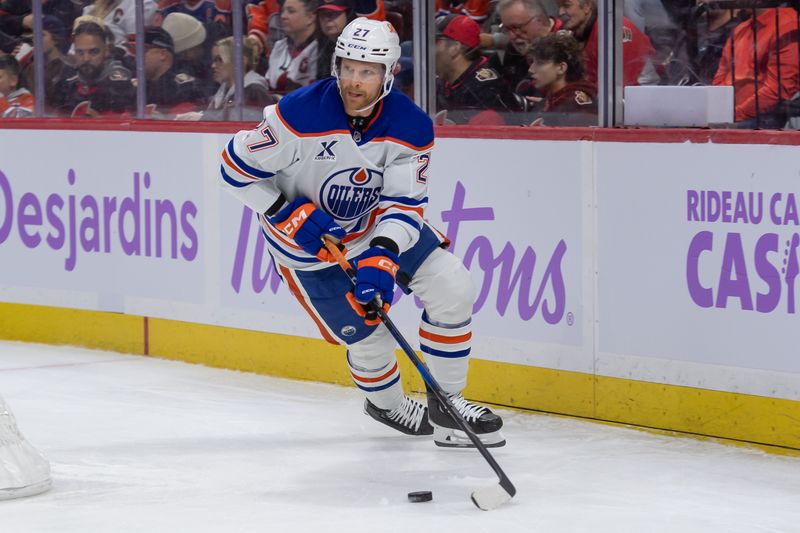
<point>347,157</point>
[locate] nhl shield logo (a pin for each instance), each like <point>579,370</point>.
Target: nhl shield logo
<point>349,194</point>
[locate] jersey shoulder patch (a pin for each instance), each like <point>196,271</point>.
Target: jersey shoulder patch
<point>486,74</point>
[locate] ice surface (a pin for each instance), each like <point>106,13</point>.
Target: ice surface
<point>142,444</point>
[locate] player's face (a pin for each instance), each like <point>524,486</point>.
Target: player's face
<point>521,28</point>
<point>295,19</point>
<point>90,54</point>
<point>545,73</point>
<point>361,83</point>
<point>574,13</point>
<point>332,23</point>
<point>8,83</point>
<point>221,70</point>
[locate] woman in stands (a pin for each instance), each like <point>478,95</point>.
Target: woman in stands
<point>293,60</point>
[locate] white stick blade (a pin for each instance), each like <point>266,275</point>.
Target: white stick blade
<point>491,497</point>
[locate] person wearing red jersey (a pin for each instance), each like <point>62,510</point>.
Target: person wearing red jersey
<point>523,21</point>
<point>557,70</point>
<point>761,86</point>
<point>14,102</point>
<point>580,17</point>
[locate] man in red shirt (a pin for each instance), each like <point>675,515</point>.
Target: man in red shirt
<point>580,17</point>
<point>760,87</point>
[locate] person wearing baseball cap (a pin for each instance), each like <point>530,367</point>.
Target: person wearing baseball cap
<point>169,91</point>
<point>465,83</point>
<point>333,16</point>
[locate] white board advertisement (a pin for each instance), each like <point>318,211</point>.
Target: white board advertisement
<point>138,223</point>
<point>697,254</point>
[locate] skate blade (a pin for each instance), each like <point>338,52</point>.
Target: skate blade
<point>454,438</point>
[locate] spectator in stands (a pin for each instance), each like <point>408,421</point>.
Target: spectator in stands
<point>523,21</point>
<point>15,102</point>
<point>293,60</point>
<point>652,19</point>
<point>763,83</point>
<point>714,30</point>
<point>256,95</point>
<point>204,11</point>
<point>16,20</point>
<point>466,84</point>
<point>119,16</point>
<point>101,86</point>
<point>55,41</point>
<point>557,70</point>
<point>263,24</point>
<point>404,77</point>
<point>477,10</point>
<point>333,16</point>
<point>580,17</point>
<point>192,54</point>
<point>696,55</point>
<point>169,91</point>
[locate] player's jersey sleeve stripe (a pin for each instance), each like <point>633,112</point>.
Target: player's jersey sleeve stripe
<point>404,200</point>
<point>403,218</point>
<point>240,166</point>
<point>229,180</point>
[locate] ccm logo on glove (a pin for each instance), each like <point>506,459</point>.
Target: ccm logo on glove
<point>307,225</point>
<point>296,219</point>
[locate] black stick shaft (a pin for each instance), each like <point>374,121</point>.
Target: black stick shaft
<point>425,372</point>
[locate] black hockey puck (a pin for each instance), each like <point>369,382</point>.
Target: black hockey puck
<point>420,496</point>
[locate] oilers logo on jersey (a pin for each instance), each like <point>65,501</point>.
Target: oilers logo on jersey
<point>349,194</point>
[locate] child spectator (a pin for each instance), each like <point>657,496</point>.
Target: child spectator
<point>15,102</point>
<point>557,70</point>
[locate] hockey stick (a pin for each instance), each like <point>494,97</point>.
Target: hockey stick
<point>487,498</point>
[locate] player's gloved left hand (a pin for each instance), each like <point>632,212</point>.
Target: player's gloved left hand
<point>376,270</point>
<point>306,225</point>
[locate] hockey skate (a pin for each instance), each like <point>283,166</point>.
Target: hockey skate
<point>411,417</point>
<point>481,420</point>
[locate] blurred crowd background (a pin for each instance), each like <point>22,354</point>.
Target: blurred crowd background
<point>519,62</point>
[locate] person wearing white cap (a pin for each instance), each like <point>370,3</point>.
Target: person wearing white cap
<point>191,54</point>
<point>187,32</point>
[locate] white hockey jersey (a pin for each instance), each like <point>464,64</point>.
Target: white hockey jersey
<point>373,182</point>
<point>288,65</point>
<point>121,20</point>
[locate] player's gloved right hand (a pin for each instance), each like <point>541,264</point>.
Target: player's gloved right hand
<point>376,270</point>
<point>306,225</point>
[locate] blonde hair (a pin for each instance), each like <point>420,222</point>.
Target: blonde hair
<point>103,7</point>
<point>250,51</point>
